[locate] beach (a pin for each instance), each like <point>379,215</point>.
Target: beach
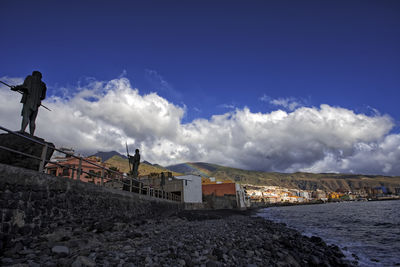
<point>186,238</point>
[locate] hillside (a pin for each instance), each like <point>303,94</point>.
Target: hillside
<point>198,168</point>
<point>144,168</point>
<point>300,180</point>
<point>107,155</point>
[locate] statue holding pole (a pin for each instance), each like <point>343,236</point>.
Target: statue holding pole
<point>35,153</point>
<point>33,92</point>
<point>135,161</point>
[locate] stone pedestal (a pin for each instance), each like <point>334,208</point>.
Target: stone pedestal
<point>23,145</point>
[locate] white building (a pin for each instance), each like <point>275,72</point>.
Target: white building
<point>191,188</point>
<point>242,201</point>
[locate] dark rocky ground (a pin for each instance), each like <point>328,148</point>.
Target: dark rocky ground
<point>188,238</point>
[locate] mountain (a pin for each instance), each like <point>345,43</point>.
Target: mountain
<point>197,168</point>
<point>299,180</point>
<point>144,168</point>
<point>107,155</point>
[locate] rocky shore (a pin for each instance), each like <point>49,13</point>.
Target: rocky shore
<point>188,238</point>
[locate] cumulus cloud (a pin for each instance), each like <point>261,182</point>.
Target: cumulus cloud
<point>10,109</point>
<point>289,103</point>
<point>103,115</point>
<point>227,106</point>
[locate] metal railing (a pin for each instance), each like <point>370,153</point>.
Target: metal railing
<point>107,175</point>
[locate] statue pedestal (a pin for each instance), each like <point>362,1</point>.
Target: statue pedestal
<point>23,145</point>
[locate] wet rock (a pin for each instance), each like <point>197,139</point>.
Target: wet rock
<point>33,264</point>
<point>83,261</point>
<point>218,253</point>
<point>181,262</point>
<point>7,261</point>
<point>249,253</point>
<point>212,264</point>
<point>60,250</point>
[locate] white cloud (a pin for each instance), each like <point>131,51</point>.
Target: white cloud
<point>160,84</point>
<point>289,103</point>
<point>10,109</point>
<point>265,98</point>
<point>227,106</point>
<point>103,115</point>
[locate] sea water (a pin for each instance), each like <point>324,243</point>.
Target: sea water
<point>368,231</point>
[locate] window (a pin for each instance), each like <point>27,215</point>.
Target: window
<point>65,171</point>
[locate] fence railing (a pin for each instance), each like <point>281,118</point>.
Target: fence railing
<point>107,176</point>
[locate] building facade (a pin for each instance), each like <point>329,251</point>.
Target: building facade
<point>67,167</point>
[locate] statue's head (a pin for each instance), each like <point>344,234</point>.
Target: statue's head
<point>37,73</point>
<point>137,151</point>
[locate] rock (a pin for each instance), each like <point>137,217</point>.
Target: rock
<point>57,235</point>
<point>33,264</point>
<point>148,260</point>
<point>218,253</point>
<point>65,262</point>
<point>60,250</point>
<point>315,260</point>
<point>7,261</point>
<point>102,227</point>
<point>249,253</point>
<point>211,264</point>
<point>76,263</point>
<point>291,261</point>
<point>84,261</point>
<point>316,239</point>
<point>25,252</point>
<point>127,248</point>
<point>119,226</point>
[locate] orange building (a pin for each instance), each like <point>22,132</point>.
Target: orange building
<point>90,173</point>
<point>219,189</point>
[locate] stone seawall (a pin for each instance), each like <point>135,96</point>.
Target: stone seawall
<point>32,202</point>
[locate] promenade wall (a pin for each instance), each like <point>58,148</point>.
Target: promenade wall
<point>31,202</point>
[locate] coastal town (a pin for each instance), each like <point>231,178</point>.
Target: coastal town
<point>200,192</point>
<point>275,194</point>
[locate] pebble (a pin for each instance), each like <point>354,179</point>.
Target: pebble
<point>60,250</point>
<point>84,261</point>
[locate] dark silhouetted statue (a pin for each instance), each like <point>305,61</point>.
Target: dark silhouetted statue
<point>135,161</point>
<point>33,92</point>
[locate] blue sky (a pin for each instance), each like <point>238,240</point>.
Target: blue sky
<point>214,57</point>
<point>342,53</point>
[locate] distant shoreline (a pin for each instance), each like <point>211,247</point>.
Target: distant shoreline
<point>285,204</point>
